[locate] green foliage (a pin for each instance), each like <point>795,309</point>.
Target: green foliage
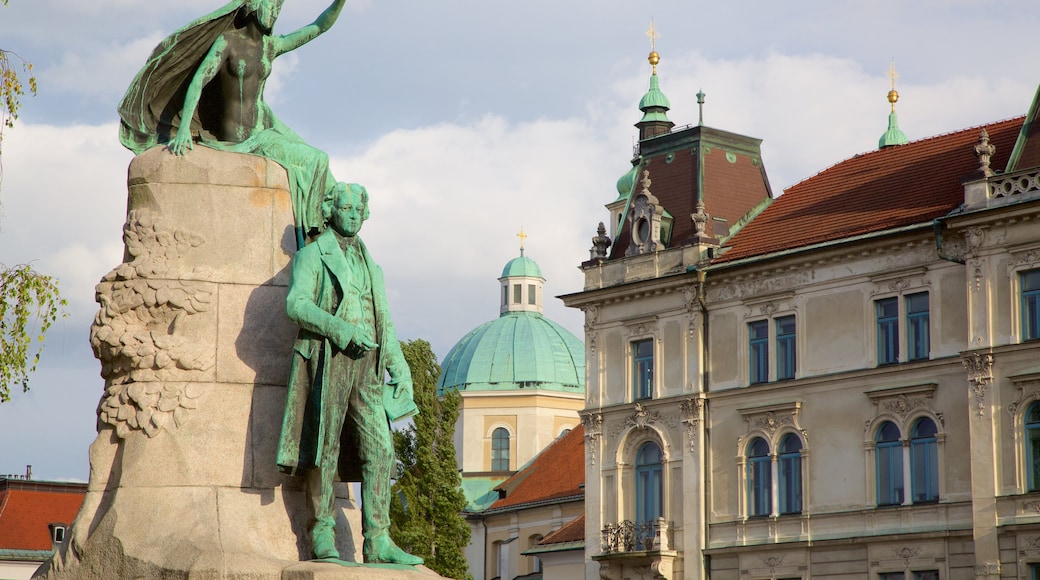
<point>11,88</point>
<point>29,304</point>
<point>427,504</point>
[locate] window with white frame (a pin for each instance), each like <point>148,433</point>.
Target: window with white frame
<point>888,452</point>
<point>1032,425</point>
<point>649,484</point>
<point>1029,285</point>
<point>924,462</point>
<point>500,449</point>
<point>759,478</point>
<point>789,480</point>
<point>779,363</point>
<point>910,313</point>
<point>643,369</point>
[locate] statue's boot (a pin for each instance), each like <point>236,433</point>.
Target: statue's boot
<point>383,550</point>
<point>323,541</point>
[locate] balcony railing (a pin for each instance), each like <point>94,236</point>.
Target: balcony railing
<point>628,536</point>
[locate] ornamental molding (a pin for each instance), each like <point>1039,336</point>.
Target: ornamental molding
<point>980,375</point>
<point>691,410</point>
<point>644,326</point>
<point>769,283</point>
<point>987,569</point>
<point>900,282</point>
<point>974,238</point>
<point>1023,258</point>
<point>906,554</point>
<point>770,420</point>
<point>593,424</point>
<point>1028,387</point>
<point>773,562</point>
<point>903,402</point>
<point>1033,542</point>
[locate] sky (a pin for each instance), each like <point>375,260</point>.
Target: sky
<point>467,120</point>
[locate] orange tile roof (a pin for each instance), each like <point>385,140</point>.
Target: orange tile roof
<point>26,507</point>
<point>884,189</point>
<point>572,531</point>
<point>557,472</point>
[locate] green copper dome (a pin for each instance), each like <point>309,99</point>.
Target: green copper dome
<point>521,266</point>
<point>626,182</point>
<point>894,136</point>
<point>654,97</point>
<point>519,350</point>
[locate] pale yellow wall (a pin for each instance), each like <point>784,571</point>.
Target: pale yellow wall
<point>533,419</point>
<point>537,521</point>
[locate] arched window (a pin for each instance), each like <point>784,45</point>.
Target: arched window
<point>1033,446</point>
<point>759,478</point>
<point>924,462</point>
<point>500,450</point>
<point>889,455</point>
<point>790,475</point>
<point>648,483</point>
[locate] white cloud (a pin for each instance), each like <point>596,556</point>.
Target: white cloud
<point>101,71</point>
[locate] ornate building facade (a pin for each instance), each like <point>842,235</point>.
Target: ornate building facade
<point>843,381</point>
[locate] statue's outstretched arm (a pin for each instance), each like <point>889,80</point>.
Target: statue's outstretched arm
<point>181,143</point>
<point>322,24</point>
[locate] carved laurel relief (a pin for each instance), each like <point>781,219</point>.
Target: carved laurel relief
<point>593,424</point>
<point>135,332</point>
<point>691,410</point>
<point>980,374</point>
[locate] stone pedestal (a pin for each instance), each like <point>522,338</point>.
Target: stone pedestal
<point>194,345</point>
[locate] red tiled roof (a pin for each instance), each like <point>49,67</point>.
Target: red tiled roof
<point>26,507</point>
<point>572,531</point>
<point>555,473</point>
<point>884,189</point>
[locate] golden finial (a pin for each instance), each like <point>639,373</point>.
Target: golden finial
<point>653,35</point>
<point>893,96</point>
<point>522,237</point>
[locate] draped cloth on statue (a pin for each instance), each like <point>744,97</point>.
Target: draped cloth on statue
<point>150,114</point>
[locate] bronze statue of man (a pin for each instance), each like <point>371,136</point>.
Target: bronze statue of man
<point>336,392</point>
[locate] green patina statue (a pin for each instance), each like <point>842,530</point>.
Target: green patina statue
<point>336,397</point>
<point>206,81</point>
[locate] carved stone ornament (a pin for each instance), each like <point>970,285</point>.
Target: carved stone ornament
<point>980,374</point>
<point>773,562</point>
<point>902,405</point>
<point>593,424</point>
<point>974,237</point>
<point>772,419</point>
<point>645,221</point>
<point>984,150</point>
<point>135,332</point>
<point>700,220</point>
<point>987,569</point>
<point>591,318</point>
<point>1033,542</point>
<point>691,410</point>
<point>641,418</point>
<point>901,402</point>
<point>906,554</point>
<point>600,243</point>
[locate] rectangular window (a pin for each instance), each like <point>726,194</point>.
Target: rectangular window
<point>887,330</point>
<point>516,294</point>
<point>1030,282</point>
<point>786,364</point>
<point>531,294</point>
<point>926,575</point>
<point>643,369</point>
<point>1034,571</point>
<point>505,294</point>
<point>891,576</point>
<point>917,326</point>
<point>758,346</point>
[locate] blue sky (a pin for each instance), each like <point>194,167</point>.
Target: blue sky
<point>467,119</point>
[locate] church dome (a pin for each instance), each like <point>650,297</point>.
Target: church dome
<point>521,349</point>
<point>521,266</point>
<point>518,350</point>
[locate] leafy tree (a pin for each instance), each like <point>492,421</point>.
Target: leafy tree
<point>426,510</point>
<point>11,88</point>
<point>28,300</point>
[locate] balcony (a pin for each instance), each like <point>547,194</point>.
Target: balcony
<point>645,548</point>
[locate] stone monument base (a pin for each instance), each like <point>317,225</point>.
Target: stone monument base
<point>195,346</point>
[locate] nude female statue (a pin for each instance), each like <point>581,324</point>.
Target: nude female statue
<point>207,81</point>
